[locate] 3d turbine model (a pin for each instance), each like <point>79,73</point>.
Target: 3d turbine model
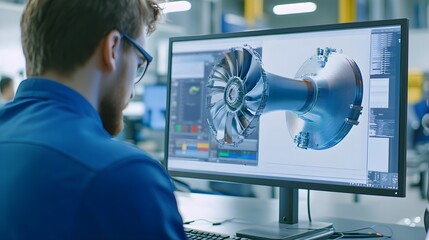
<point>322,102</point>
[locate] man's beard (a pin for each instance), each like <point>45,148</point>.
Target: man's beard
<point>110,111</point>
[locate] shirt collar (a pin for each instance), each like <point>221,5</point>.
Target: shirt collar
<point>49,89</point>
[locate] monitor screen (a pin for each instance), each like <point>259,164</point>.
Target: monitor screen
<point>321,107</point>
<point>155,100</point>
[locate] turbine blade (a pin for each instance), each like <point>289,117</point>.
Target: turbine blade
<point>247,114</point>
<point>229,128</point>
<point>220,123</point>
<point>231,60</point>
<point>221,73</point>
<point>247,60</point>
<point>254,74</point>
<point>213,90</point>
<point>257,90</point>
<point>253,105</point>
<point>216,107</point>
<point>243,121</point>
<point>240,128</point>
<point>239,63</point>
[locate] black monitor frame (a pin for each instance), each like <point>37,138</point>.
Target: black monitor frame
<point>291,184</point>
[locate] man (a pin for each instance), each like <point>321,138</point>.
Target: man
<point>6,90</point>
<point>62,176</point>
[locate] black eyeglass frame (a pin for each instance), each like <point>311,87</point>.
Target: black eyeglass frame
<point>145,54</point>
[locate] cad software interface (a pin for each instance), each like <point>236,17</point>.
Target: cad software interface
<point>314,107</point>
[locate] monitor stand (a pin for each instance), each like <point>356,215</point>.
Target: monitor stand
<point>288,226</point>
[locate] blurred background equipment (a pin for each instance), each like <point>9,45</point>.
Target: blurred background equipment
<point>7,89</point>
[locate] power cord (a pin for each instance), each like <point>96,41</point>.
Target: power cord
<point>205,220</point>
<point>356,234</point>
<point>211,222</point>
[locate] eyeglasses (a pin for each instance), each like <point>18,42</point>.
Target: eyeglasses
<point>142,68</point>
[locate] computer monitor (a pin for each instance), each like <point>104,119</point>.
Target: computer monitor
<point>318,107</point>
<point>155,101</point>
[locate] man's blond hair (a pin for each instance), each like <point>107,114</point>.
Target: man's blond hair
<point>62,35</point>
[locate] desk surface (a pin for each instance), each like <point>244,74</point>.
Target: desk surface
<point>242,213</point>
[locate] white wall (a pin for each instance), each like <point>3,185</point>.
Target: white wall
<point>419,50</point>
<point>11,56</point>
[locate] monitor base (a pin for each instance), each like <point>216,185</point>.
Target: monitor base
<point>300,230</point>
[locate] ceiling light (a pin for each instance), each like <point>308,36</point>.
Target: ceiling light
<point>178,6</point>
<point>294,8</point>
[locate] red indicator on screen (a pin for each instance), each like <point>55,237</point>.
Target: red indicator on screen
<point>194,128</point>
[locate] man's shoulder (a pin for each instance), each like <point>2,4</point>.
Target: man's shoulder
<point>103,152</point>
<point>133,176</point>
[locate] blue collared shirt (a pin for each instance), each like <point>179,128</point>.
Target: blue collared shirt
<point>63,177</point>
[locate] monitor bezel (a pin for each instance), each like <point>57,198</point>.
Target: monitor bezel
<point>290,183</point>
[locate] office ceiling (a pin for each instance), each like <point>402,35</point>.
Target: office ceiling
<point>327,12</point>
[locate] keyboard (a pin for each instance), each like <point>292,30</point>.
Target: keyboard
<point>204,235</point>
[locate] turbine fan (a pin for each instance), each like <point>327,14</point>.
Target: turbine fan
<point>237,89</point>
<point>238,94</point>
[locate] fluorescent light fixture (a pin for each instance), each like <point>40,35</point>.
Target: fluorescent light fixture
<point>177,6</point>
<point>294,8</point>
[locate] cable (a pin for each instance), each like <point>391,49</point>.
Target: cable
<point>308,205</point>
<point>336,235</point>
<point>355,234</point>
<point>360,229</point>
<point>211,222</point>
<point>385,226</point>
<point>192,221</point>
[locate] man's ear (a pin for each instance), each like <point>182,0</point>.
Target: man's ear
<point>110,50</point>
